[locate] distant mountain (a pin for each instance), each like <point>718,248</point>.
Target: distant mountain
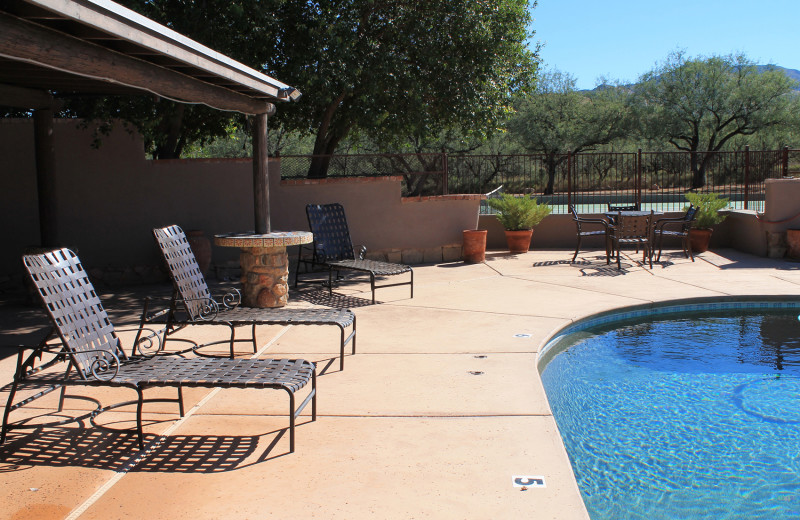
<point>792,73</point>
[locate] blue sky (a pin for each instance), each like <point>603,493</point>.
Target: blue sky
<point>623,39</point>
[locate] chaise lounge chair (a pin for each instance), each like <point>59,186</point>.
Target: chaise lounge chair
<point>190,292</point>
<point>90,354</point>
<point>333,250</point>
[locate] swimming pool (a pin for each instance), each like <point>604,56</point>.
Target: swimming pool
<point>666,416</point>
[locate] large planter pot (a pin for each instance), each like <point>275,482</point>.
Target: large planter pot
<point>474,250</point>
<point>201,247</point>
<point>519,241</point>
<point>699,239</point>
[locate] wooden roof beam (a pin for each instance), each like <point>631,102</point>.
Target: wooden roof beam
<point>33,43</point>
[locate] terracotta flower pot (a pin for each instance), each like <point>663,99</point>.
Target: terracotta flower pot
<point>699,239</point>
<point>474,250</point>
<point>519,241</point>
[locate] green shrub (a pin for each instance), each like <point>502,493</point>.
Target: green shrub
<point>708,206</point>
<point>518,213</point>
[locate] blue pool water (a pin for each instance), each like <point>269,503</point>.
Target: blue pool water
<point>684,418</point>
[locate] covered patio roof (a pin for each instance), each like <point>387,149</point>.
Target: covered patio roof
<point>98,46</point>
<point>54,48</point>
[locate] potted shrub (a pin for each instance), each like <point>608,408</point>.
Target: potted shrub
<point>708,215</point>
<point>519,215</point>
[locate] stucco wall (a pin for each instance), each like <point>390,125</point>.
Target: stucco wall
<point>110,198</point>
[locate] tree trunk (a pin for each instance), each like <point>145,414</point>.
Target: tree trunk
<point>172,127</point>
<point>698,171</point>
<point>551,175</point>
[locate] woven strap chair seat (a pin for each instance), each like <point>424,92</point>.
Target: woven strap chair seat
<point>173,371</point>
<point>371,266</point>
<point>249,315</point>
<point>290,374</point>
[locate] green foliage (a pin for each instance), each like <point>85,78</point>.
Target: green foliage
<point>556,119</point>
<point>518,213</point>
<point>391,70</point>
<point>708,206</point>
<point>398,70</point>
<point>701,104</point>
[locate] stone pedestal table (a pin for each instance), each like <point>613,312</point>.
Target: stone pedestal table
<point>265,264</point>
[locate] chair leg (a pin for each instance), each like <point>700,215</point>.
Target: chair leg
<point>255,343</point>
<point>689,247</point>
<point>577,248</point>
<point>139,406</point>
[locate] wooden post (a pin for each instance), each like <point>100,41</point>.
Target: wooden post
<point>569,177</point>
<point>261,175</point>
<point>46,176</point>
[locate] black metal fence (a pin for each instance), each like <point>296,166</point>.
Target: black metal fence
<point>587,180</point>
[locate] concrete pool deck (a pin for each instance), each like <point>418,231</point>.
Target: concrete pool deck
<point>438,410</point>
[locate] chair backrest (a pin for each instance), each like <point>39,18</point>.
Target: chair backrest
<point>328,224</point>
<point>691,213</point>
<point>574,212</point>
<point>632,226</point>
<point>622,207</point>
<point>74,308</point>
<point>187,279</point>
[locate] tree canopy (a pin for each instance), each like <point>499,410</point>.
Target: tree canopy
<point>391,70</point>
<point>556,119</point>
<point>700,104</point>
<point>399,70</point>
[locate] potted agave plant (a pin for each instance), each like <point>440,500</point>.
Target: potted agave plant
<point>519,215</point>
<point>708,215</point>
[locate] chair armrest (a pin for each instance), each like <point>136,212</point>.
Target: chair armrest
<point>601,221</point>
<point>660,223</point>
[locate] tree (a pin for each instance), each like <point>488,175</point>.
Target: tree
<point>169,128</point>
<point>700,104</point>
<point>400,69</point>
<point>556,119</point>
<point>410,67</point>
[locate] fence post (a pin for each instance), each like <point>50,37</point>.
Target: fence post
<point>746,175</point>
<point>446,174</point>
<point>569,177</point>
<point>639,177</point>
<point>785,162</point>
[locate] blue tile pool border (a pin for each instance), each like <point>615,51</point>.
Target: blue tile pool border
<point>650,310</point>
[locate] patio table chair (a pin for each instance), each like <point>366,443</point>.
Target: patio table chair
<point>633,230</point>
<point>198,307</point>
<point>333,251</point>
<point>580,222</point>
<point>90,354</point>
<point>682,226</point>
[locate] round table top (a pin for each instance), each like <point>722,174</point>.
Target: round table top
<point>632,213</point>
<point>273,239</point>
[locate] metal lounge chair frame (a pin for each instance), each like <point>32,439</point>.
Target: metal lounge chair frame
<point>684,224</point>
<point>580,222</point>
<point>632,230</point>
<point>92,355</point>
<point>198,307</point>
<point>333,250</point>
